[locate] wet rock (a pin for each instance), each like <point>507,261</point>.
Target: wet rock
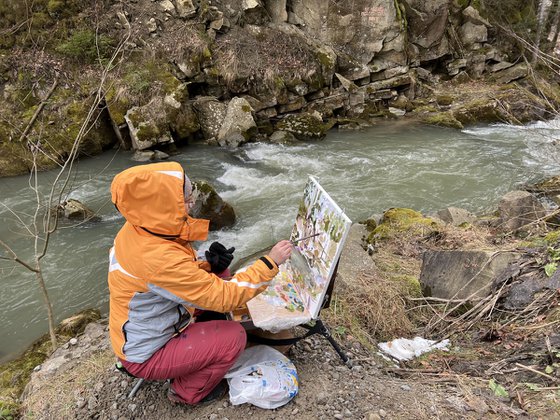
<point>143,155</point>
<point>304,126</point>
<point>517,209</point>
<point>76,210</point>
<point>75,324</point>
<point>462,274</point>
<point>456,216</point>
<point>282,137</point>
<point>209,205</point>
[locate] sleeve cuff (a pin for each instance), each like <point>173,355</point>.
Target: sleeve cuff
<point>269,262</point>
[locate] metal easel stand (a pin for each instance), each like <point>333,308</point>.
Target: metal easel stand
<point>321,329</point>
<point>316,327</point>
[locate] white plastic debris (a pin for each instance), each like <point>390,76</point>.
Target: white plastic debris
<point>405,349</point>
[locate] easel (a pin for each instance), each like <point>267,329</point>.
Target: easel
<point>314,327</point>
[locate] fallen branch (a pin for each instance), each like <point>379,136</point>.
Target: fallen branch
<point>38,111</point>
<point>530,369</point>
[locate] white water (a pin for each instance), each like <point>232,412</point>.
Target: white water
<point>391,165</point>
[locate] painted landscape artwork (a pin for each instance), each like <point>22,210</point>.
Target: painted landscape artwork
<point>298,291</point>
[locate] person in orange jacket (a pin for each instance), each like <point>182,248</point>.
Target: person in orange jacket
<point>156,282</point>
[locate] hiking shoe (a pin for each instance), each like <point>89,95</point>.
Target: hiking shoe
<point>217,393</point>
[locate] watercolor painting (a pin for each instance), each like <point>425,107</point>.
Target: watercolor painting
<point>301,285</point>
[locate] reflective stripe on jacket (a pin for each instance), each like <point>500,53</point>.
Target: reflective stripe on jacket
<point>155,280</point>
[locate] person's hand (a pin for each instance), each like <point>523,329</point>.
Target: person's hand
<point>281,252</point>
<point>219,257</point>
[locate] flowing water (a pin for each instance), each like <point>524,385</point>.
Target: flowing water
<point>366,172</point>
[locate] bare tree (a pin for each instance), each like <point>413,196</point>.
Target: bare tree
<point>44,221</point>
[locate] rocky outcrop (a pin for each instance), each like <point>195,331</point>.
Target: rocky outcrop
<point>360,61</point>
<point>304,126</point>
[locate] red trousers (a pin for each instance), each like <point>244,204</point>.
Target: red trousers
<point>196,360</point>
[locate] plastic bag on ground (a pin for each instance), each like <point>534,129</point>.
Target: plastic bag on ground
<point>405,349</point>
<point>264,377</point>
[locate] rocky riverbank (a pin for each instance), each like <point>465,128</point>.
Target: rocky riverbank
<point>152,75</point>
<point>490,284</point>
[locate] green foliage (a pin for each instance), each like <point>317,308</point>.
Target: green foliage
<point>553,257</point>
<point>86,46</point>
<point>498,389</point>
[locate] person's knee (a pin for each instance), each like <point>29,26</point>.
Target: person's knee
<point>234,337</point>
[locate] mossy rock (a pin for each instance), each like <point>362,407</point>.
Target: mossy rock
<point>411,285</point>
<point>444,100</point>
<point>304,126</point>
<point>396,221</point>
<point>442,119</point>
<point>485,110</point>
<point>209,205</point>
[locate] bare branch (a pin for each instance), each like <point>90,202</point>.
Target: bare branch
<point>38,110</point>
<point>15,257</point>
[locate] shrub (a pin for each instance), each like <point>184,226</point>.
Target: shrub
<point>86,46</point>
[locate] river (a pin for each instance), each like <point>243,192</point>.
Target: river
<point>393,164</point>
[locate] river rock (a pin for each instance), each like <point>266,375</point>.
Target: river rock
<point>211,114</point>
<point>282,137</point>
<point>305,126</point>
<point>148,125</point>
<point>238,125</point>
<point>517,209</point>
<point>209,205</point>
<point>76,323</point>
<point>460,274</point>
<point>76,210</point>
<point>456,216</point>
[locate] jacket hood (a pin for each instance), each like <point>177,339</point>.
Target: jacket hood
<point>152,197</point>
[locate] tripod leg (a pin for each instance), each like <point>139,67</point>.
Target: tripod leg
<point>324,331</point>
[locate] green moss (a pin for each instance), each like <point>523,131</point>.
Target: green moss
<point>246,108</point>
<point>399,220</point>
<point>425,108</point>
<point>443,119</point>
<point>86,46</point>
<point>444,99</point>
<point>371,224</point>
<point>147,131</point>
<point>411,285</point>
<point>552,237</point>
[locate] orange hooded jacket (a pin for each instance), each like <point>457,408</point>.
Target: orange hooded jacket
<point>155,279</point>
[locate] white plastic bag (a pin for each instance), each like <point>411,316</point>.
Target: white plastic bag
<point>264,377</point>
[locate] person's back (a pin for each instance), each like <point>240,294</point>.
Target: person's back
<point>156,283</point>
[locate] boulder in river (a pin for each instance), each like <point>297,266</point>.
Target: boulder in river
<point>519,208</point>
<point>209,205</point>
<point>75,210</point>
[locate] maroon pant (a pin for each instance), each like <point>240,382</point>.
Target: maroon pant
<point>196,360</point>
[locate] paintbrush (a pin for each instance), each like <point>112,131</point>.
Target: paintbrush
<point>295,241</point>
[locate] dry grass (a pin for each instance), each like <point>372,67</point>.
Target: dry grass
<point>262,56</point>
<point>372,308</point>
<point>60,395</point>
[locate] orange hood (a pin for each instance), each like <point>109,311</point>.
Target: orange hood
<point>151,196</point>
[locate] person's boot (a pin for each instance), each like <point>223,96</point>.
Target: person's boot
<point>217,393</point>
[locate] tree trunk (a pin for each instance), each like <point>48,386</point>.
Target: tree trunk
<point>46,298</point>
<point>542,18</point>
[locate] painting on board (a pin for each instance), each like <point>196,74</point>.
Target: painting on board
<point>322,219</point>
<point>297,293</point>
